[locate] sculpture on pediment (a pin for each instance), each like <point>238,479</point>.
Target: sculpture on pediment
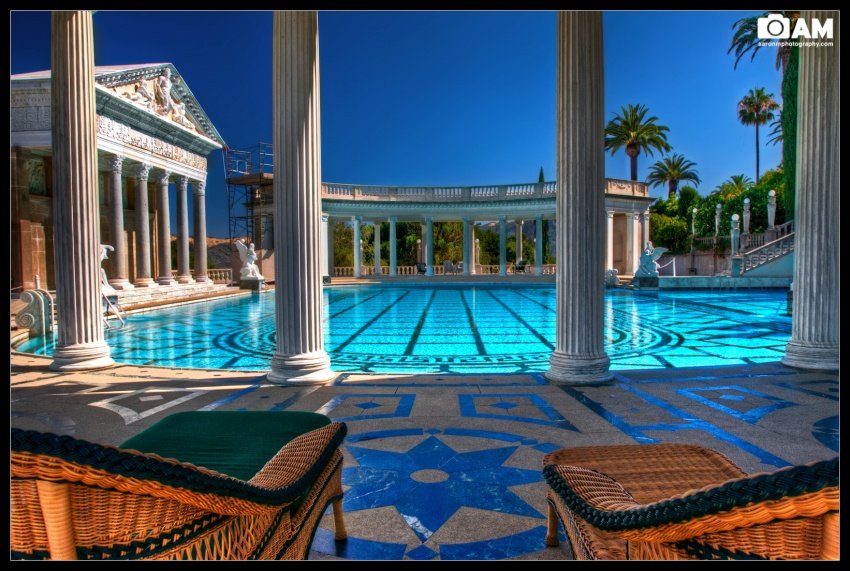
<point>141,94</point>
<point>162,90</point>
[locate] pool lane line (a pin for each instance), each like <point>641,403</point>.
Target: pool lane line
<point>369,323</point>
<point>419,325</point>
<point>524,322</point>
<point>353,305</point>
<point>479,343</point>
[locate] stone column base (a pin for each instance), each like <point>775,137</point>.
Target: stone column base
<point>202,280</point>
<point>811,356</point>
<point>304,369</point>
<point>188,279</point>
<point>576,370</point>
<point>121,284</point>
<point>145,282</point>
<point>83,357</point>
<point>166,280</point>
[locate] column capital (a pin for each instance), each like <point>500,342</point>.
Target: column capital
<point>182,182</point>
<point>198,187</point>
<point>610,213</point>
<point>503,218</point>
<point>393,219</point>
<point>142,171</point>
<point>325,217</point>
<point>163,176</point>
<point>115,163</point>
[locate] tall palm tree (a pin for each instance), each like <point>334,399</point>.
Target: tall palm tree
<point>671,170</point>
<point>634,131</point>
<point>745,38</point>
<point>756,108</point>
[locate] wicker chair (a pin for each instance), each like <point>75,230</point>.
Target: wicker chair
<point>678,501</point>
<point>248,485</point>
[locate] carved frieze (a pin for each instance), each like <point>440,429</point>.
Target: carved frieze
<point>115,131</point>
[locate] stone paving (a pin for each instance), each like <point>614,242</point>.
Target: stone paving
<point>449,466</point>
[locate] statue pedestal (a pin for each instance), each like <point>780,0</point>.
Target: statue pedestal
<point>646,282</point>
<point>254,284</point>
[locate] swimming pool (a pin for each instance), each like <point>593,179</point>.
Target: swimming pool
<point>460,329</point>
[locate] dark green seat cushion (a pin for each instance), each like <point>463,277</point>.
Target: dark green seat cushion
<point>236,443</point>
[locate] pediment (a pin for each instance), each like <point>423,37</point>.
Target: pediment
<point>158,89</point>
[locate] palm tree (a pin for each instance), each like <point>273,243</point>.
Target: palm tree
<point>672,170</point>
<point>746,38</point>
<point>735,186</point>
<point>636,133</point>
<point>756,108</point>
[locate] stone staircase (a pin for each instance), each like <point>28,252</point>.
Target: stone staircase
<point>139,298</point>
<point>767,253</point>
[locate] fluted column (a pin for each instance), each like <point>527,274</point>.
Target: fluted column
<point>393,246</point>
<point>299,357</point>
<point>637,245</point>
<point>609,247</point>
<point>184,273</point>
<point>815,329</point>
<point>377,243</point>
<point>118,280</point>
<point>164,230</point>
<point>538,246</point>
<point>324,244</point>
<point>503,246</point>
<point>467,259</point>
<point>199,212</point>
<point>80,344</point>
<point>518,240</point>
<point>330,240</point>
<point>644,223</point>
<point>143,232</point>
<point>579,355</point>
<point>429,246</point>
<point>356,245</point>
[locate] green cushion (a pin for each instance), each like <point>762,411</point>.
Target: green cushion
<point>236,443</point>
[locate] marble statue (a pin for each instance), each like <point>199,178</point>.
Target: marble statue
<point>248,255</point>
<point>648,267</point>
<point>105,288</point>
<point>611,277</point>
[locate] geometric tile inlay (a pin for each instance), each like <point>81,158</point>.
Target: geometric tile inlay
<point>754,405</point>
<point>396,406</point>
<point>536,409</point>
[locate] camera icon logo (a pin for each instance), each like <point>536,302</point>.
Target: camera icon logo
<point>774,27</point>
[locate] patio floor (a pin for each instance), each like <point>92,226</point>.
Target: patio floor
<point>449,466</point>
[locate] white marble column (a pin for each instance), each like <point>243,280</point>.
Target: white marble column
<point>476,254</point>
<point>579,355</point>
<point>538,246</point>
<point>429,246</point>
<point>503,246</point>
<point>393,247</point>
<point>467,259</point>
<point>80,344</point>
<point>164,231</point>
<point>634,237</point>
<point>609,247</point>
<point>143,232</point>
<point>323,265</point>
<point>377,245</point>
<point>644,223</point>
<point>184,273</point>
<point>815,329</point>
<point>118,280</point>
<point>518,240</point>
<point>200,222</point>
<point>330,249</point>
<point>299,357</point>
<point>358,263</point>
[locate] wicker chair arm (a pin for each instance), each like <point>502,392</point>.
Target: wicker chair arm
<point>799,491</point>
<point>298,463</point>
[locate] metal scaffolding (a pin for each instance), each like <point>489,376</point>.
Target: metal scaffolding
<point>250,174</point>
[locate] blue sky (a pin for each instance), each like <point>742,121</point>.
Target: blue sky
<point>443,98</point>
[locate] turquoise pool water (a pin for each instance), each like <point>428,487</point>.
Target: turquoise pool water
<point>460,329</point>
